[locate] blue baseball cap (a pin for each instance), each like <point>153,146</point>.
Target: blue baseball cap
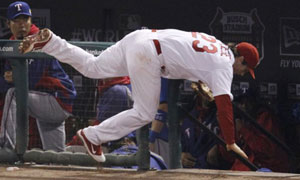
<point>18,8</point>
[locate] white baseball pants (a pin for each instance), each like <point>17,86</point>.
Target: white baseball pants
<point>135,55</point>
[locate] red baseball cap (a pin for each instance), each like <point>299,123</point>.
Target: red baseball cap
<point>250,54</point>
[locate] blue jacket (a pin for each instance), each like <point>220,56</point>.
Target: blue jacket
<point>47,75</point>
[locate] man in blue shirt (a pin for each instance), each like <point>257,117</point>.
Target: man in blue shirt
<point>51,91</point>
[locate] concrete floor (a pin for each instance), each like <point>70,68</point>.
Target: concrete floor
<point>47,172</point>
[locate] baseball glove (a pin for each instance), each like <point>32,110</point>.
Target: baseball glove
<point>203,90</point>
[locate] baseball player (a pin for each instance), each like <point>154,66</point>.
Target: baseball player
<point>146,56</point>
<point>51,91</point>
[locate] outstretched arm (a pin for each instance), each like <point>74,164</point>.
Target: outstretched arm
<point>225,118</point>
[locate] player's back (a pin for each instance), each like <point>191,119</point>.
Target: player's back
<point>193,55</point>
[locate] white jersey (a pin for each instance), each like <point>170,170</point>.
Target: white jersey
<point>197,56</point>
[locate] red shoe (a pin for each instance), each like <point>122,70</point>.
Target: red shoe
<point>93,150</point>
<point>35,41</point>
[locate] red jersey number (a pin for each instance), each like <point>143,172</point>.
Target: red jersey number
<point>211,49</point>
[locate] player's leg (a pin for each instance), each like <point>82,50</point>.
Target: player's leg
<point>145,76</point>
<point>110,63</point>
<point>144,70</point>
<point>50,119</point>
<point>127,121</point>
<point>8,122</point>
<point>53,135</point>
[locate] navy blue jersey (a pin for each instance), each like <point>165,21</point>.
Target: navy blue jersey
<point>197,142</point>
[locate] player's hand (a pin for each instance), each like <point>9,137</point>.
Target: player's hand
<point>237,149</point>
<point>8,76</point>
<point>187,160</point>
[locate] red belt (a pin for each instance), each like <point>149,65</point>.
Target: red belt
<point>157,44</point>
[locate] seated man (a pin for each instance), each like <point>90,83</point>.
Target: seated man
<point>51,92</point>
<point>197,145</point>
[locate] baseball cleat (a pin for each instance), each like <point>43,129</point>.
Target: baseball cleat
<point>93,150</point>
<point>35,41</point>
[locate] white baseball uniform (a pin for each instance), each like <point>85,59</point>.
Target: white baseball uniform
<point>146,55</point>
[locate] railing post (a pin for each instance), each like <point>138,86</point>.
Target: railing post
<point>174,126</point>
<point>143,154</point>
<point>20,78</point>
